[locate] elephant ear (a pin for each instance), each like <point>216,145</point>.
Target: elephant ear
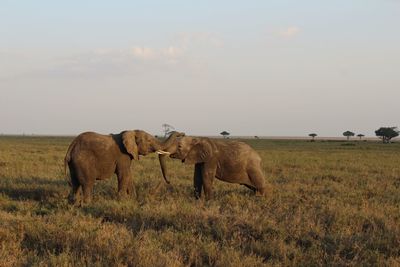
<point>201,152</point>
<point>129,141</point>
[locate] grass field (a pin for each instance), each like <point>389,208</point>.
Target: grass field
<point>333,203</point>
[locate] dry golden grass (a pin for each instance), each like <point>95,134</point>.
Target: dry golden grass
<point>333,203</point>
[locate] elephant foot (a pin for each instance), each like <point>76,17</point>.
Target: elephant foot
<point>74,200</point>
<point>260,194</point>
<point>125,195</point>
<point>85,202</point>
<point>122,196</point>
<point>134,194</point>
<point>161,186</point>
<point>197,193</point>
<point>264,191</point>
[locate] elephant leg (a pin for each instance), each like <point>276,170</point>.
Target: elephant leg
<point>74,197</point>
<point>122,186</point>
<point>76,188</point>
<point>87,189</point>
<point>258,180</point>
<point>83,183</point>
<point>198,180</point>
<point>87,184</point>
<point>131,188</point>
<point>208,173</point>
<point>125,182</point>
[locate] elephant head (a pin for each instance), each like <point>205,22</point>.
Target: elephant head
<point>139,143</point>
<point>191,150</point>
<point>142,143</point>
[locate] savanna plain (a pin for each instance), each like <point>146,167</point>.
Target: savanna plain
<point>332,203</point>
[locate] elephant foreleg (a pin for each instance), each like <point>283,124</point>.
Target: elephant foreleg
<point>125,181</point>
<point>125,186</point>
<point>208,172</point>
<point>131,188</point>
<point>198,180</point>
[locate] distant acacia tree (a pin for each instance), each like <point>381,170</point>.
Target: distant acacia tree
<point>348,134</point>
<point>360,136</point>
<point>387,133</point>
<point>225,134</point>
<point>313,135</point>
<point>167,129</point>
<point>256,137</point>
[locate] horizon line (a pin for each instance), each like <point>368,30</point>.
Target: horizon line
<point>276,137</point>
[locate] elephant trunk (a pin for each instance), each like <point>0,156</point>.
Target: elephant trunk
<point>162,159</point>
<point>163,153</point>
<point>157,147</point>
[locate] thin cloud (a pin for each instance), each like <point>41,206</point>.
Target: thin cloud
<point>148,53</point>
<point>114,62</point>
<point>172,51</point>
<point>289,32</point>
<point>188,39</point>
<point>182,51</point>
<point>143,52</point>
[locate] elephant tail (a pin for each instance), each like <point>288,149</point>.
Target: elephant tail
<point>67,159</point>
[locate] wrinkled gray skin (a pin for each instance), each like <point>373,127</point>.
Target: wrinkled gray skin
<point>228,161</point>
<point>92,156</point>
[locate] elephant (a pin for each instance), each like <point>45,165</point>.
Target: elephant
<point>92,156</point>
<point>228,161</point>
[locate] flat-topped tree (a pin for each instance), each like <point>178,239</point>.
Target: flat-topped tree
<point>225,134</point>
<point>387,133</point>
<point>360,136</point>
<point>348,134</point>
<point>313,135</point>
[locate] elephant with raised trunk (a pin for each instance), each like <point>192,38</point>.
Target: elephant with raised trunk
<point>92,156</point>
<point>229,161</point>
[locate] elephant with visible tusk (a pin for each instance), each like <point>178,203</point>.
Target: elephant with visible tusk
<point>92,156</point>
<point>229,161</point>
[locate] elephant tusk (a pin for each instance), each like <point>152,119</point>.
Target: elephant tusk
<point>160,152</point>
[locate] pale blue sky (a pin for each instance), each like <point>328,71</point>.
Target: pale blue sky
<point>249,67</point>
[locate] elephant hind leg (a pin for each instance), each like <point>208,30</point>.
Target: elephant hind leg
<point>87,189</point>
<point>74,196</point>
<point>86,183</point>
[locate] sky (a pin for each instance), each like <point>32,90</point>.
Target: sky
<point>266,68</point>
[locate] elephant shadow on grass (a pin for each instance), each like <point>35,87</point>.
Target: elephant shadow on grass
<point>137,217</point>
<point>31,188</point>
<point>44,189</point>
